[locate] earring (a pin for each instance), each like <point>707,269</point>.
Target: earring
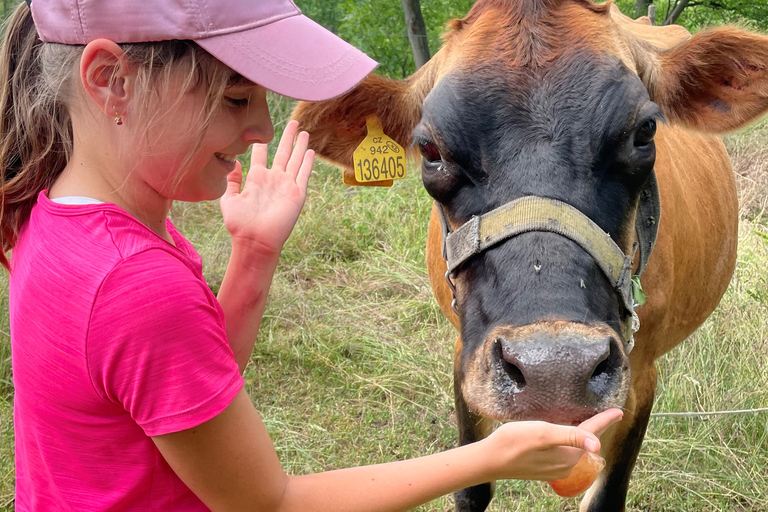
<point>118,117</point>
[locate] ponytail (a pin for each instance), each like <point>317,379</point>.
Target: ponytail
<point>35,127</point>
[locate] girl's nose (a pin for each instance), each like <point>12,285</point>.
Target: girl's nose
<point>259,128</point>
<point>260,133</point>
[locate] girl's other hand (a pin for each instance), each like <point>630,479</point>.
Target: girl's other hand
<point>536,450</point>
<point>263,214</point>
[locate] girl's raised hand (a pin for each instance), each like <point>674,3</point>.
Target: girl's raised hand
<point>263,214</point>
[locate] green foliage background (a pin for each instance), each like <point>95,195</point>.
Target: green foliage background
<point>746,13</point>
<point>378,27</point>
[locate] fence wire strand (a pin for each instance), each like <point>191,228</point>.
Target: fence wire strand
<point>705,413</point>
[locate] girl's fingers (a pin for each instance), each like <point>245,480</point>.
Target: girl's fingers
<point>234,180</point>
<point>302,178</point>
<point>579,438</point>
<point>284,149</point>
<point>585,436</point>
<point>297,156</point>
<point>560,436</point>
<point>259,154</point>
<point>599,423</point>
<point>570,455</point>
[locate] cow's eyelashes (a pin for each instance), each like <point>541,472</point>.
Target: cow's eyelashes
<point>429,152</point>
<point>645,133</point>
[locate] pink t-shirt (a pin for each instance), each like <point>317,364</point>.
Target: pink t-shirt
<point>115,337</point>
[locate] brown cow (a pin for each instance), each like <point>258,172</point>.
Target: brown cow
<point>559,99</point>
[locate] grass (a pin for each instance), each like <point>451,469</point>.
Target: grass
<point>353,363</point>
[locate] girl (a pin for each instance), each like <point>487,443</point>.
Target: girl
<point>127,370</point>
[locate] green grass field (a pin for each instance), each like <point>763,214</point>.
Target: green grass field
<point>353,363</point>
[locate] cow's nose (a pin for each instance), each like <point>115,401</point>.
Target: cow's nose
<point>567,368</point>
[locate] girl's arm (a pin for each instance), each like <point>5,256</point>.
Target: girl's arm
<point>231,464</point>
<point>260,218</point>
<point>243,296</point>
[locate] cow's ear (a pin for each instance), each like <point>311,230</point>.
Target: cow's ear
<point>336,127</point>
<point>715,82</point>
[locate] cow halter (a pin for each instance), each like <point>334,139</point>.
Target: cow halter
<point>533,213</point>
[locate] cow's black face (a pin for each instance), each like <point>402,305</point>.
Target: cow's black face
<point>540,322</point>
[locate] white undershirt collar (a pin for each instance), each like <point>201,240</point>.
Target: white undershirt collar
<point>76,200</point>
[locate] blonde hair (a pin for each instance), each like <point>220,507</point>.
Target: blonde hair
<point>36,92</point>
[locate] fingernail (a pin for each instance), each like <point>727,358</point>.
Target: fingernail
<point>592,445</point>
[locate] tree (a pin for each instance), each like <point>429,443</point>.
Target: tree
<point>677,10</point>
<point>417,32</point>
<point>379,28</point>
<point>641,7</point>
<point>697,14</point>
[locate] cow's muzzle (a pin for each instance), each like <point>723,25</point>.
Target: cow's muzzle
<point>562,372</point>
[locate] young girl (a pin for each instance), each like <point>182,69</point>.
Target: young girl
<point>127,369</point>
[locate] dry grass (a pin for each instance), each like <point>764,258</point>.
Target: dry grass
<point>749,155</point>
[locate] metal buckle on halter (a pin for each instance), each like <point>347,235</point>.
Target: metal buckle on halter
<point>449,280</point>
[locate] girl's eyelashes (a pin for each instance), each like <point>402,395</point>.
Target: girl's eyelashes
<point>237,102</point>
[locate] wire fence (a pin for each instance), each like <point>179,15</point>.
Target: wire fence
<point>706,413</point>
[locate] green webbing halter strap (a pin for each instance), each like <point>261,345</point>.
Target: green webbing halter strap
<point>532,213</point>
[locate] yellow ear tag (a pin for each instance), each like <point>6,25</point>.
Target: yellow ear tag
<point>378,157</point>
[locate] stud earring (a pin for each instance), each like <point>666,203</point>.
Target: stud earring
<point>118,117</point>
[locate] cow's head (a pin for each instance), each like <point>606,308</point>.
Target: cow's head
<point>557,99</point>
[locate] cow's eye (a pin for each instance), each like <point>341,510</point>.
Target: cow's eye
<point>645,133</point>
<point>430,152</point>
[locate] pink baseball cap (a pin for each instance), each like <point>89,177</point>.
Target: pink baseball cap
<point>267,41</point>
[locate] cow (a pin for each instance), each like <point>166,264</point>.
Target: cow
<point>606,128</point>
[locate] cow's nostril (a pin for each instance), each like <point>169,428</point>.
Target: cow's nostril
<point>600,368</point>
<point>515,374</point>
<point>602,375</point>
<point>510,366</point>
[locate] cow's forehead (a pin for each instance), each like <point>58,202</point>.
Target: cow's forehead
<point>530,33</point>
<point>585,97</point>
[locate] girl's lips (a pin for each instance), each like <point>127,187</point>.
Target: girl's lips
<point>229,161</point>
<point>227,158</point>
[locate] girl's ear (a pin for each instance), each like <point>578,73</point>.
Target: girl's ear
<point>106,76</point>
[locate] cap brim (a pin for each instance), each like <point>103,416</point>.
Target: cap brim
<point>294,56</point>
